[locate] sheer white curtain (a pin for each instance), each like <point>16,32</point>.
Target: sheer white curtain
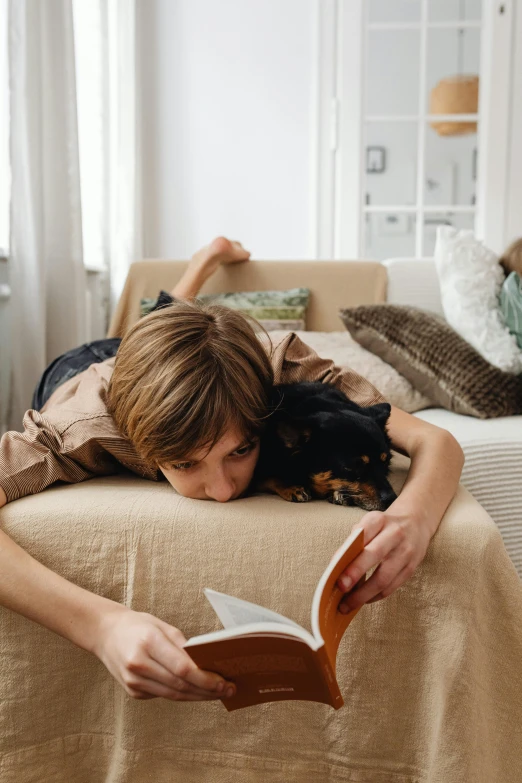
<point>74,164</point>
<point>107,95</point>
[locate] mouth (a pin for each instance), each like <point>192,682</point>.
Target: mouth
<point>376,503</point>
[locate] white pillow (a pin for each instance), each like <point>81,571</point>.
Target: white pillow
<point>470,278</point>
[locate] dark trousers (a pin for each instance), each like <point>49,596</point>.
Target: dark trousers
<point>70,364</point>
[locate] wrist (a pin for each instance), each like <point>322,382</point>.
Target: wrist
<point>98,616</point>
<point>432,480</point>
<point>410,512</point>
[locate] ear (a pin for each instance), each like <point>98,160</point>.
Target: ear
<point>379,412</point>
<point>292,435</point>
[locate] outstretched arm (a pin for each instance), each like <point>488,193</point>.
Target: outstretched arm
<point>143,653</point>
<point>398,538</point>
<point>204,263</point>
<point>437,460</point>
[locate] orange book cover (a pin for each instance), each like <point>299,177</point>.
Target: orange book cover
<point>270,657</point>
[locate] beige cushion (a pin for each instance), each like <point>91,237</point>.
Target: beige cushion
<point>346,352</point>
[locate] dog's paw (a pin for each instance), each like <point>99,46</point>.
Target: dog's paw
<point>340,498</point>
<point>295,494</point>
<point>301,495</point>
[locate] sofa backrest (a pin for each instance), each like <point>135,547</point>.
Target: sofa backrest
<point>413,281</point>
<point>333,284</point>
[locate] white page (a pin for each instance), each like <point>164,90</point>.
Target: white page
<point>234,612</point>
<point>257,631</point>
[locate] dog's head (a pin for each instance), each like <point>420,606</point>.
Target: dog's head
<point>343,448</point>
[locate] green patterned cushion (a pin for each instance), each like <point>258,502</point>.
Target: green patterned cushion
<point>245,300</point>
<point>273,309</point>
<point>146,305</point>
<point>263,313</point>
<point>511,305</point>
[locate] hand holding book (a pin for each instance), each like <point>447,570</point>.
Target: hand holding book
<point>270,657</point>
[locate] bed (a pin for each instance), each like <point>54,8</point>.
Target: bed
<point>431,676</point>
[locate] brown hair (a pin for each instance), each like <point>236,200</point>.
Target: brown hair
<point>511,259</point>
<point>183,375</point>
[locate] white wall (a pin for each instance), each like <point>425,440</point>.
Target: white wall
<point>226,125</point>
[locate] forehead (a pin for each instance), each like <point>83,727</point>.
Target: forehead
<point>228,442</point>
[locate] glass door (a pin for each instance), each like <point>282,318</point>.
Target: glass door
<point>420,117</point>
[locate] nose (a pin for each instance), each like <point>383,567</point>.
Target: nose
<point>386,497</point>
<point>220,488</point>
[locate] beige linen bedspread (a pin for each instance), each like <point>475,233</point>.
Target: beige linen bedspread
<point>431,676</point>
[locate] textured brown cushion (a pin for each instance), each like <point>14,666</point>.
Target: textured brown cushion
<point>425,349</point>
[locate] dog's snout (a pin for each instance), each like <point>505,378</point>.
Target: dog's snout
<point>387,496</point>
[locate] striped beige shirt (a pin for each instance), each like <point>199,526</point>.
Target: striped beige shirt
<point>74,438</point>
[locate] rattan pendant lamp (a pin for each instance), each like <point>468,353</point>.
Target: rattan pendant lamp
<point>456,94</point>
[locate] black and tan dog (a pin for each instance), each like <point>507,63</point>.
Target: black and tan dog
<point>320,444</point>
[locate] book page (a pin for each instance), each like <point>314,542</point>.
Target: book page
<point>258,630</point>
<point>235,612</point>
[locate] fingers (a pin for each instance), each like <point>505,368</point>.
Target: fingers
<point>177,665</point>
<point>399,580</point>
<point>153,672</point>
<point>380,544</point>
<point>395,546</point>
<point>385,579</point>
<point>145,688</point>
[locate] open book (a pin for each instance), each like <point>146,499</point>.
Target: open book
<point>271,658</point>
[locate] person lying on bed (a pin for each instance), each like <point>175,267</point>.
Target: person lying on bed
<point>154,409</point>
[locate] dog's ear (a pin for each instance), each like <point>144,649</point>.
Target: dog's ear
<point>292,435</point>
<point>380,412</point>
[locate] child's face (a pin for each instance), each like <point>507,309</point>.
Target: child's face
<point>223,474</point>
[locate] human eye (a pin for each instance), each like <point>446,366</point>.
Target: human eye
<point>242,451</point>
<point>182,465</point>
